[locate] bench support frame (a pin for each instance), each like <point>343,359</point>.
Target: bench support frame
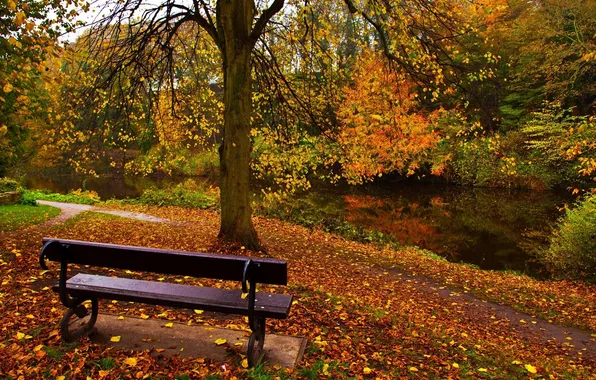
<point>76,308</point>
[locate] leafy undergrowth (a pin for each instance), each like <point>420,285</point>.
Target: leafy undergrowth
<point>75,196</point>
<point>360,320</point>
<point>18,217</point>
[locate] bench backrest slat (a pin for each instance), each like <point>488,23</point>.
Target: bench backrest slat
<point>196,264</point>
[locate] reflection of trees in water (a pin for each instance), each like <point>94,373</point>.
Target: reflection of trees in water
<point>492,228</point>
<point>407,222</point>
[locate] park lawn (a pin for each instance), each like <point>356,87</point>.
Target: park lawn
<point>360,320</point>
<point>18,217</point>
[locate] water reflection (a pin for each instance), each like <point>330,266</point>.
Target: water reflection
<point>492,228</point>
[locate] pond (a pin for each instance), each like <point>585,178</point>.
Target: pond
<point>491,228</point>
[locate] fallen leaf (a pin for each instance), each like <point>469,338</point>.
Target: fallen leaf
<point>366,371</point>
<point>115,339</point>
<point>530,368</point>
<point>130,362</point>
<point>220,341</point>
<point>244,363</point>
<point>144,316</point>
<point>169,325</point>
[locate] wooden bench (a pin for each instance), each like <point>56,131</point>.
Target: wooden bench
<point>249,271</point>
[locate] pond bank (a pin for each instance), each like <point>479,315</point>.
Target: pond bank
<point>491,228</point>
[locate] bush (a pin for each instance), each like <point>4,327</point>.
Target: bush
<point>186,194</point>
<point>8,185</point>
<point>75,196</point>
<point>572,253</point>
<point>28,199</point>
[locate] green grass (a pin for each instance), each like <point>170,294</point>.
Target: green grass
<point>18,217</point>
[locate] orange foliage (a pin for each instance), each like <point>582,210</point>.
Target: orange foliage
<point>382,130</point>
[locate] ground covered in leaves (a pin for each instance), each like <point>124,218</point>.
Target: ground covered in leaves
<point>367,312</point>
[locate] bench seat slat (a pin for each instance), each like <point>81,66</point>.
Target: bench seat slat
<point>268,305</point>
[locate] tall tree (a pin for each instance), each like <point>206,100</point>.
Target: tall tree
<point>415,35</point>
<point>28,33</point>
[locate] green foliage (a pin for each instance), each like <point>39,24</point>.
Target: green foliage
<point>8,184</point>
<point>572,253</point>
<point>76,196</point>
<point>17,217</point>
<point>186,194</point>
<point>203,163</point>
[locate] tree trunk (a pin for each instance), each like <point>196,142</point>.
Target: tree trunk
<point>236,223</point>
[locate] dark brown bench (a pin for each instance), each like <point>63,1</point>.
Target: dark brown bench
<point>249,271</point>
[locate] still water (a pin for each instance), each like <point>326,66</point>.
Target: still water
<point>492,228</point>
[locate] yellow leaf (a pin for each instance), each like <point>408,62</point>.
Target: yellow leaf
<point>130,362</point>
<point>326,369</point>
<point>220,341</point>
<point>144,316</point>
<point>115,339</point>
<point>20,335</point>
<point>169,325</point>
<point>413,369</point>
<point>120,317</point>
<point>7,88</point>
<point>455,365</point>
<point>12,5</point>
<point>198,311</point>
<point>38,347</point>
<point>244,295</point>
<point>60,378</point>
<point>366,371</point>
<point>238,344</point>
<point>103,373</point>
<point>530,368</point>
<point>244,363</point>
<point>482,370</point>
<point>19,18</point>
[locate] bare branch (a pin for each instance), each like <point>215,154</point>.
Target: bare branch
<point>268,13</point>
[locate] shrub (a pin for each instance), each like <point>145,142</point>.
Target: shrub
<point>8,184</point>
<point>75,196</point>
<point>28,199</point>
<point>186,194</point>
<point>572,253</point>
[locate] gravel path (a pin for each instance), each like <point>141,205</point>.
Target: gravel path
<point>69,210</point>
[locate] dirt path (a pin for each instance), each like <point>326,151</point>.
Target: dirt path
<point>69,210</point>
<point>575,341</point>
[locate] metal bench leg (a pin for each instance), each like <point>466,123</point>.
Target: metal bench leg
<point>256,342</point>
<point>80,311</point>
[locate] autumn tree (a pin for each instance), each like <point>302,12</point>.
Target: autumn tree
<point>416,36</point>
<point>28,33</point>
